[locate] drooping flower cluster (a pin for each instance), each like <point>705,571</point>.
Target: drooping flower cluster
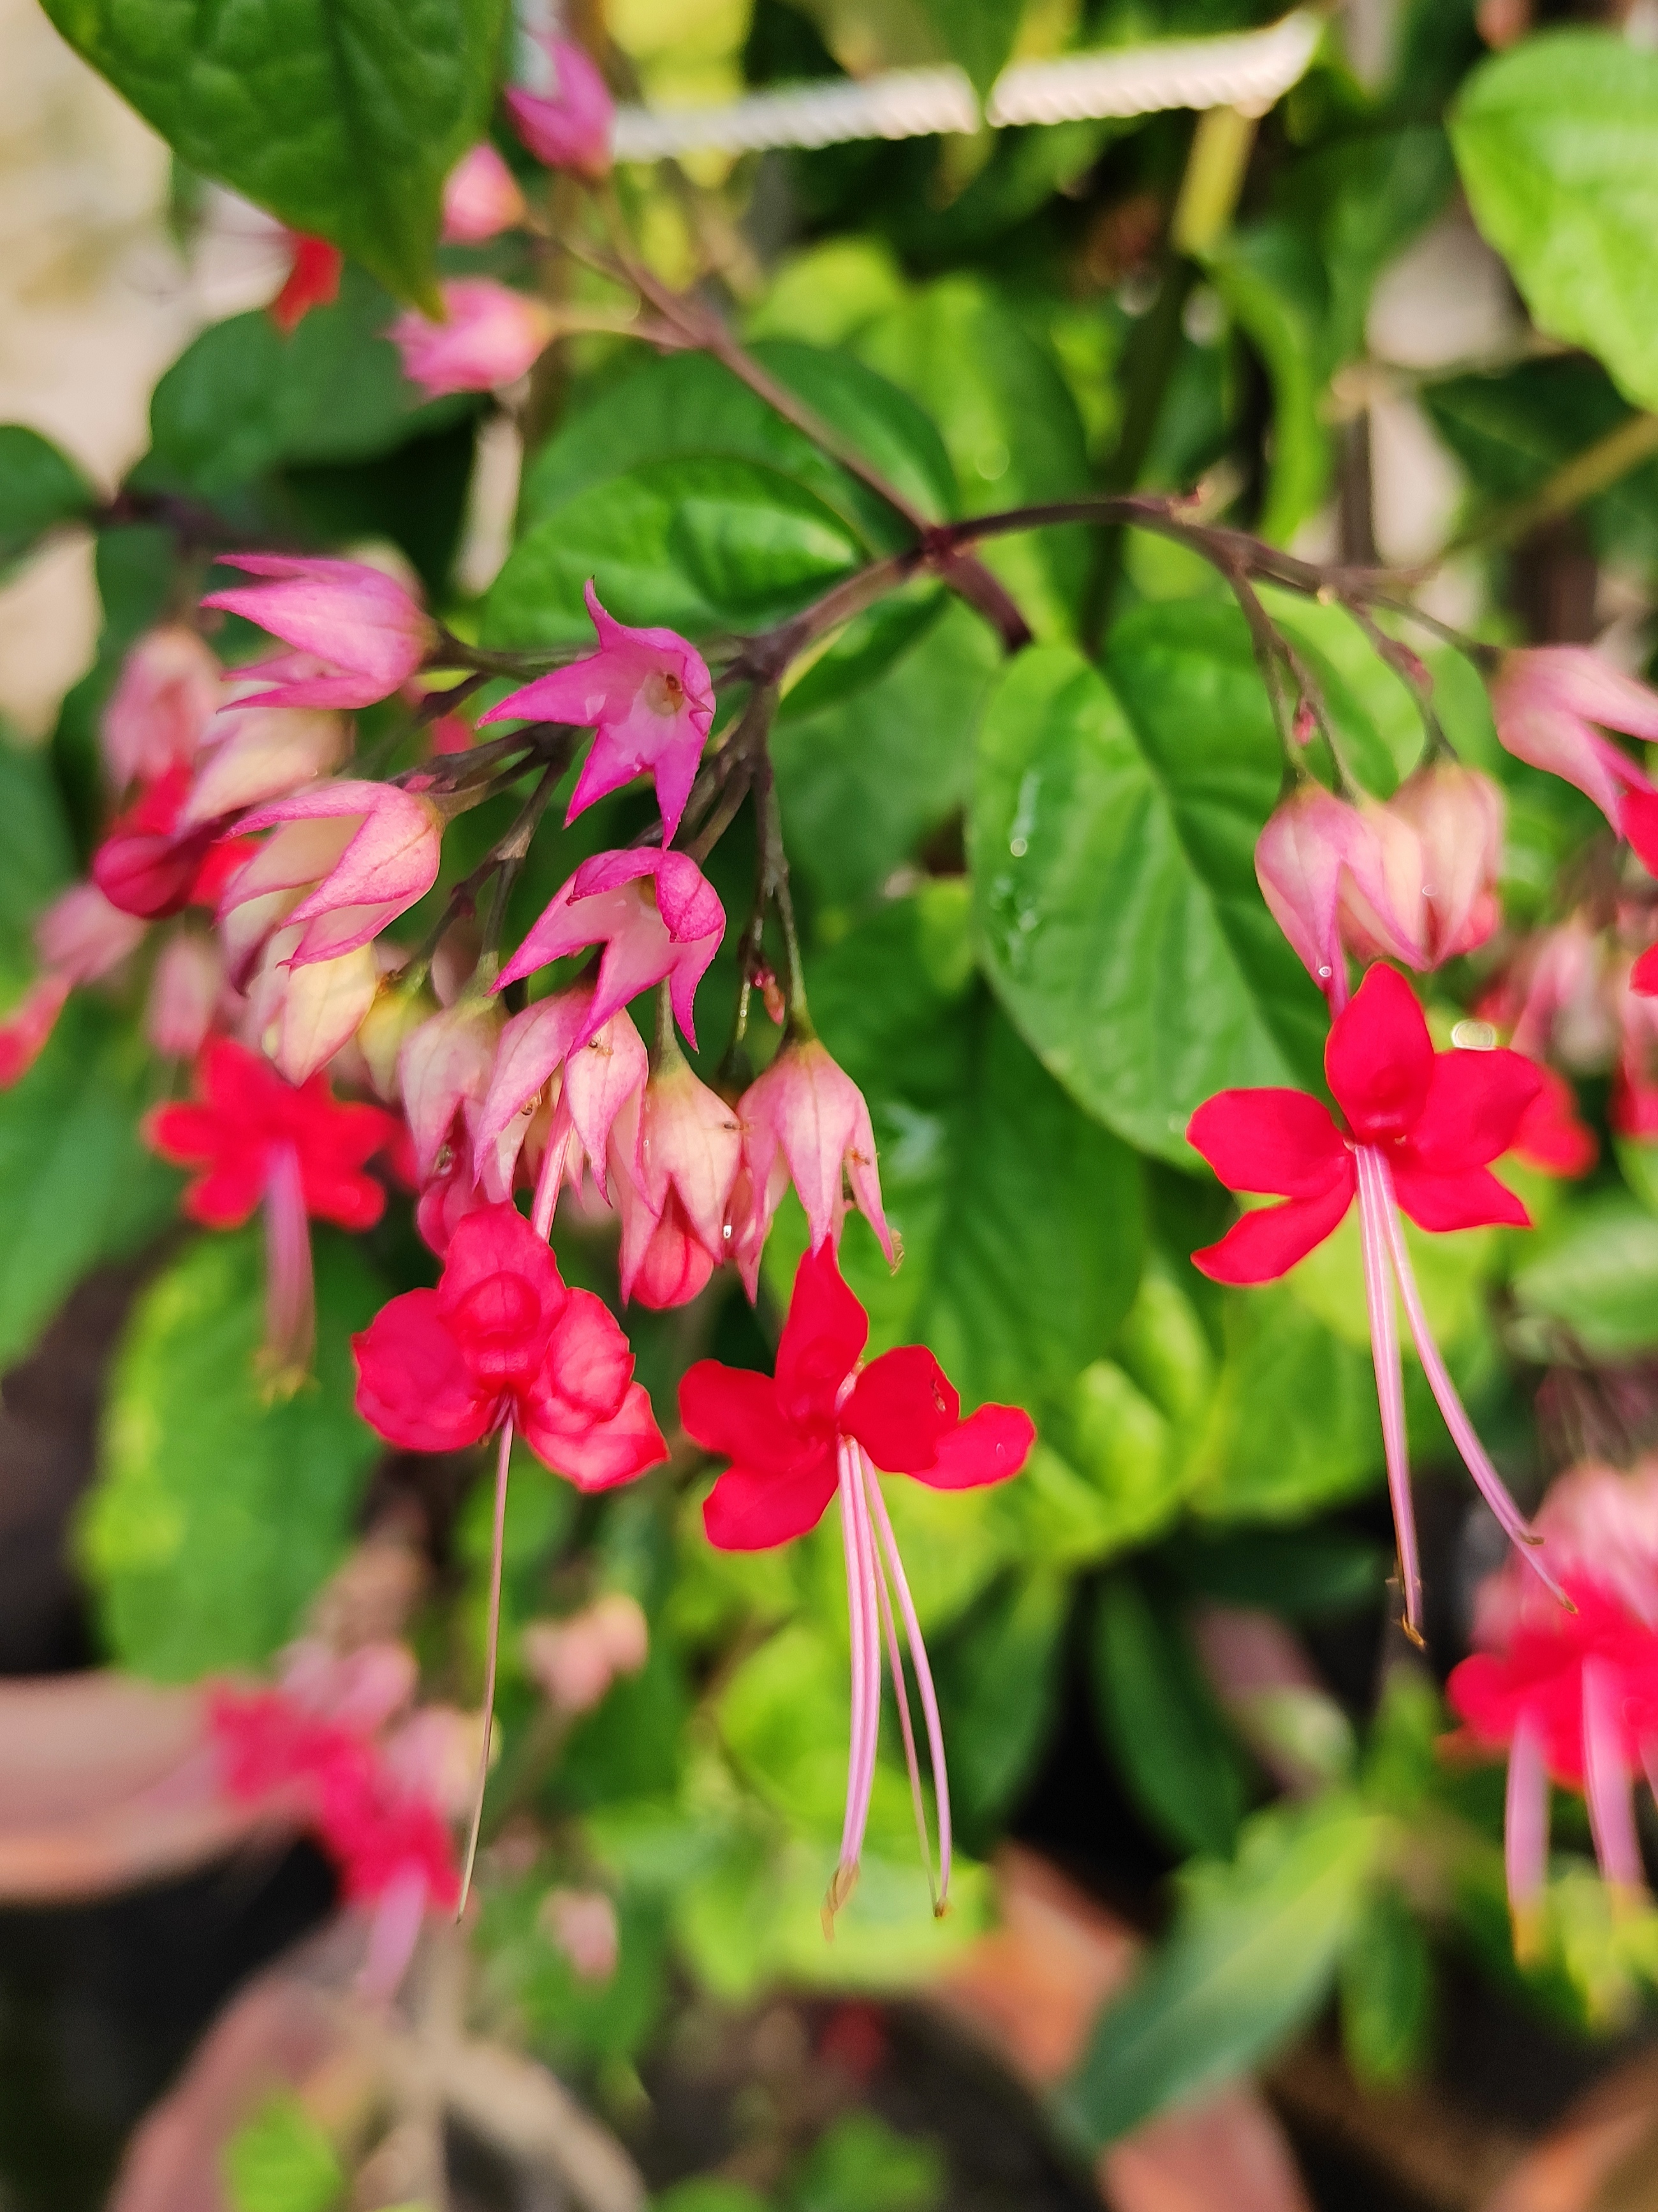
<point>1570,1693</point>
<point>818,1428</point>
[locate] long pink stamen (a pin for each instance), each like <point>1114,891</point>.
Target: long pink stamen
<point>1389,1376</point>
<point>1490,1483</point>
<point>918,1660</point>
<point>1526,1818</point>
<point>1607,1779</point>
<point>290,1303</point>
<point>865,1678</point>
<point>491,1653</point>
<point>901,1691</point>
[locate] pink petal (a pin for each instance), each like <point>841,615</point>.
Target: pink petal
<point>597,1455</point>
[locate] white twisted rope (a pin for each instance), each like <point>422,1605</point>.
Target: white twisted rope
<point>1246,69</point>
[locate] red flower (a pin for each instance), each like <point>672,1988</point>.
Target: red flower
<point>244,1114</point>
<point>1438,1118</point>
<point>151,861</point>
<point>312,281</point>
<point>501,1339</point>
<point>821,1424</point>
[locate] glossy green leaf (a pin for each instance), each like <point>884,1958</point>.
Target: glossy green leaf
<point>76,1185</point>
<point>689,407</point>
<point>342,116</point>
<point>36,856</point>
<point>1273,290</point>
<point>1112,841</point>
<point>280,2160</point>
<point>243,399</point>
<point>1008,421</point>
<point>999,1684</point>
<point>40,488</point>
<point>1172,1746</point>
<point>706,546</point>
<point>977,34</point>
<point>1595,1277</point>
<point>1557,140</point>
<point>1020,1217</point>
<point>218,1513</point>
<point>1251,1957</point>
<point>1387,1990</point>
<point>1363,199</point>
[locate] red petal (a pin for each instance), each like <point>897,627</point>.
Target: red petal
<point>826,1331</point>
<point>596,1454</point>
<point>1267,1244</point>
<point>497,1240</point>
<point>733,1412</point>
<point>747,1511</point>
<point>228,1193</point>
<point>1643,976</point>
<point>1280,1141</point>
<point>1476,1102</point>
<point>1471,1198</point>
<point>1637,817</point>
<point>1379,1059</point>
<point>589,1362</point>
<point>351,1201</point>
<point>989,1446</point>
<point>189,1136</point>
<point>412,1385</point>
<point>901,1410</point>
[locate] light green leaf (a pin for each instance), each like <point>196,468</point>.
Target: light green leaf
<point>36,856</point>
<point>1173,1749</point>
<point>706,546</point>
<point>1112,841</point>
<point>217,1514</point>
<point>1557,142</point>
<point>76,1185</point>
<point>1594,1275</point>
<point>282,2161</point>
<point>977,34</point>
<point>1387,1990</point>
<point>342,116</point>
<point>998,1683</point>
<point>861,2165</point>
<point>1251,1957</point>
<point>39,486</point>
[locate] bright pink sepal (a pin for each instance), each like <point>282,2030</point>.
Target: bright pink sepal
<point>490,336</point>
<point>805,1120</point>
<point>1552,705</point>
<point>389,856</point>
<point>444,1070</point>
<point>647,696</point>
<point>169,689</point>
<point>480,198</point>
<point>570,126</point>
<point>369,633</point>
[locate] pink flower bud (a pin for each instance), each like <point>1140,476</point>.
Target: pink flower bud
<point>369,633</point>
<point>1457,815</point>
<point>300,1017</point>
<point>480,198</point>
<point>251,755</point>
<point>169,689</point>
<point>491,336</point>
<point>805,1119</point>
<point>1319,861</point>
<point>1547,700</point>
<point>1379,903</point>
<point>657,916</point>
<point>582,1924</point>
<point>369,851</point>
<point>647,697</point>
<point>568,124</point>
<point>80,936</point>
<point>183,995</point>
<point>445,1067</point>
<point>691,1142</point>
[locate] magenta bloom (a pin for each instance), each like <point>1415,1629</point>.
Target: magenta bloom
<point>596,1072</point>
<point>1553,704</point>
<point>363,630</point>
<point>170,687</point>
<point>657,916</point>
<point>805,1120</point>
<point>502,1340</point>
<point>367,850</point>
<point>568,121</point>
<point>480,198</point>
<point>252,753</point>
<point>491,336</point>
<point>1572,1693</point>
<point>647,697</point>
<point>1330,872</point>
<point>677,1154</point>
<point>822,1425</point>
<point>1418,1132</point>
<point>152,860</point>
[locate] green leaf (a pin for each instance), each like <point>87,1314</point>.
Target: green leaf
<point>977,34</point>
<point>1364,199</point>
<point>1251,1957</point>
<point>1387,1990</point>
<point>343,117</point>
<point>1273,289</point>
<point>76,1185</point>
<point>1112,841</point>
<point>1304,1574</point>
<point>1176,1754</point>
<point>706,546</point>
<point>706,2193</point>
<point>861,2165</point>
<point>217,1514</point>
<point>1594,1275</point>
<point>689,407</point>
<point>1557,142</point>
<point>1008,421</point>
<point>36,856</point>
<point>999,1682</point>
<point>39,486</point>
<point>1020,1217</point>
<point>282,2161</point>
